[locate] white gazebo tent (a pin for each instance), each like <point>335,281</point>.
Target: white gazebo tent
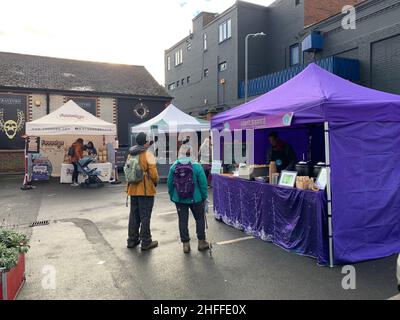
<point>173,120</point>
<point>70,119</point>
<point>175,124</point>
<point>59,129</point>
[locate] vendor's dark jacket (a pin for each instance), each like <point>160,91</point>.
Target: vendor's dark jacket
<point>284,152</point>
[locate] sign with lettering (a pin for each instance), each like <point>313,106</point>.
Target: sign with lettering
<point>12,121</point>
<point>33,145</point>
<point>273,121</point>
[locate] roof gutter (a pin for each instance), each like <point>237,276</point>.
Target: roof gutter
<point>85,93</point>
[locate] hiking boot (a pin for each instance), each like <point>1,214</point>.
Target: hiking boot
<point>152,245</point>
<point>203,245</point>
<point>132,244</point>
<point>186,247</point>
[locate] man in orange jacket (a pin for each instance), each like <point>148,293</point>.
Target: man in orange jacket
<point>142,196</point>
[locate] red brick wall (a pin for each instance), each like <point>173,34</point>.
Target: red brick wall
<point>11,161</point>
<point>318,10</point>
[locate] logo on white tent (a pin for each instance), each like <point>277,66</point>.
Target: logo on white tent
<point>71,116</point>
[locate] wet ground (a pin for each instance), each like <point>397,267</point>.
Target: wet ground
<point>81,254</point>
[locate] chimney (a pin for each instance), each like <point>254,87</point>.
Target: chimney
<point>202,19</point>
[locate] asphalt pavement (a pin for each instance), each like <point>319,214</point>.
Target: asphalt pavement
<point>81,254</point>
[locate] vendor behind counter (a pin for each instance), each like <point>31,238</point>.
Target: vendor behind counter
<point>281,153</point>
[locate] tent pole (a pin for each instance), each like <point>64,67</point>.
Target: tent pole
<point>329,192</point>
<point>26,185</point>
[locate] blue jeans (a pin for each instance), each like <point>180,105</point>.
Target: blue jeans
<point>183,215</point>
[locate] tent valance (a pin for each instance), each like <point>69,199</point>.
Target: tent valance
<point>70,119</point>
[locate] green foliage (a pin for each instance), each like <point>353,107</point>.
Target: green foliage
<point>11,245</point>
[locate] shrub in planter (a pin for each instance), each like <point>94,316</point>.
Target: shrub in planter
<point>13,246</point>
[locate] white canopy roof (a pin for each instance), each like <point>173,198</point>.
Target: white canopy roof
<point>173,120</point>
<point>70,119</point>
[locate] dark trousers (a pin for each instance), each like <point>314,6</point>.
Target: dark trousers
<point>183,215</point>
<point>75,174</point>
<point>139,220</point>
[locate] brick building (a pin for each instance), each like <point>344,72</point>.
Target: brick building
<point>33,86</point>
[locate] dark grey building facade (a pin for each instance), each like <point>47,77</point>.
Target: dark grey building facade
<point>375,42</point>
<point>212,63</point>
<point>203,77</point>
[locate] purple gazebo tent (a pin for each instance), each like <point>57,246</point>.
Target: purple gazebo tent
<point>362,142</point>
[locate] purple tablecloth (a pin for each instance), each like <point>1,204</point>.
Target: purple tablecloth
<point>293,219</point>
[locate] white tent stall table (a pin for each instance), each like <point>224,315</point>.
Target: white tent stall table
<point>59,129</point>
<point>172,121</point>
<point>104,169</point>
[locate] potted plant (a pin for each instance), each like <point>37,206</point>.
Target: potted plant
<point>13,246</point>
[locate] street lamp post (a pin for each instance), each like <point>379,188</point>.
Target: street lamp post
<point>246,81</point>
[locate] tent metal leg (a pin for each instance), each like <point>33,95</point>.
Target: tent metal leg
<point>329,193</point>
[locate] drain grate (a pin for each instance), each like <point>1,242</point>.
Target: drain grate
<point>39,223</point>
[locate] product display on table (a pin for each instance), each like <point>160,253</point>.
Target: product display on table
<point>288,179</point>
<point>250,172</point>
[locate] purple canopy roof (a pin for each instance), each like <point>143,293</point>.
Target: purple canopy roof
<point>316,95</point>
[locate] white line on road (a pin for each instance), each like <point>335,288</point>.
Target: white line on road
<point>234,241</point>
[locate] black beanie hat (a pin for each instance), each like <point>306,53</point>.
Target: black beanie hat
<point>141,139</point>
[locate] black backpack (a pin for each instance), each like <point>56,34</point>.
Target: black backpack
<point>71,151</point>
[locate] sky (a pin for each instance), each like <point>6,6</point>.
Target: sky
<point>118,31</point>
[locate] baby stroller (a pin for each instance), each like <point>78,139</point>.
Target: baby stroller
<point>92,180</point>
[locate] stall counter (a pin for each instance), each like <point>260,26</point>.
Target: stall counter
<point>293,219</point>
<point>104,168</point>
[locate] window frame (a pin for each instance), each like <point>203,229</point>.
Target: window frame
<point>178,57</point>
<point>293,46</point>
<point>221,64</point>
<point>225,31</point>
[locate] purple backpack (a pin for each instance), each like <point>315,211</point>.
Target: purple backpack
<point>183,180</point>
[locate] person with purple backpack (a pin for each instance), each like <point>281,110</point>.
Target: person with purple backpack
<point>188,189</point>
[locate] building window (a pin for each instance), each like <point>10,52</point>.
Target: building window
<point>171,86</point>
<point>225,30</point>
<point>183,82</point>
<point>177,83</point>
<point>169,63</point>
<point>178,57</point>
<point>296,2</point>
<point>188,79</point>
<point>205,42</point>
<point>188,45</point>
<point>205,73</point>
<point>294,55</point>
<point>222,66</point>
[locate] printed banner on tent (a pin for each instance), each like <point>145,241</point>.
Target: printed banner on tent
<point>272,121</point>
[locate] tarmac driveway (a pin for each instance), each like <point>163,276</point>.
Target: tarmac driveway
<point>81,254</point>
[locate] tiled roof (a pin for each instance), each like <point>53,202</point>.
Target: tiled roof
<point>37,72</point>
